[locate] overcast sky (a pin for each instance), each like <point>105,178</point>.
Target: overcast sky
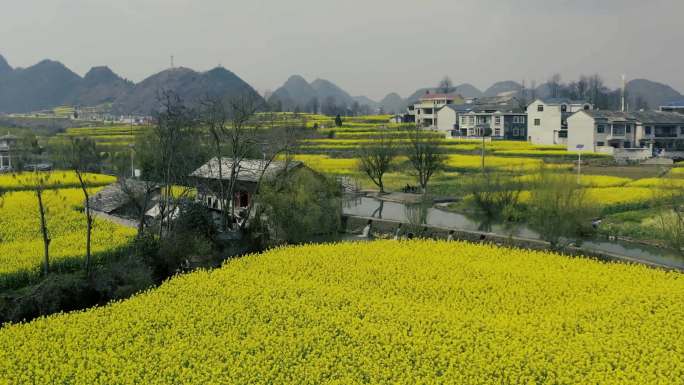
<point>369,47</point>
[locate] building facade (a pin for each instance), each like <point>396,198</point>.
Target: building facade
<point>425,111</point>
<point>609,131</point>
<point>499,122</point>
<point>547,119</point>
<point>676,106</point>
<point>8,145</point>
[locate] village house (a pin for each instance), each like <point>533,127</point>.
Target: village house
<point>208,180</point>
<point>504,121</point>
<point>675,106</point>
<point>630,135</point>
<point>547,119</point>
<point>424,113</point>
<point>7,147</point>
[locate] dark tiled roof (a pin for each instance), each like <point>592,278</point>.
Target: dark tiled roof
<point>249,169</point>
<point>659,117</point>
<point>649,117</point>
<point>560,101</point>
<point>114,197</point>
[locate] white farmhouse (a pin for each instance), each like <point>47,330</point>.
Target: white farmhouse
<point>547,119</point>
<point>634,135</point>
<point>425,111</point>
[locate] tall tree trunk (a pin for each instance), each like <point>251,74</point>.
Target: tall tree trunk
<point>89,220</point>
<point>44,231</point>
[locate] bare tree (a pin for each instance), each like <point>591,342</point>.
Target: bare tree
<point>39,183</point>
<point>376,158</point>
<point>445,85</point>
<point>273,142</point>
<point>424,155</point>
<point>169,153</point>
<point>554,84</point>
<point>81,155</point>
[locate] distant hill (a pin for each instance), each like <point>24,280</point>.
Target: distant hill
<point>4,66</point>
<point>366,101</point>
<point>326,89</point>
<point>190,85</point>
<point>498,88</point>
<point>297,93</point>
<point>100,85</point>
<point>393,104</point>
<point>653,93</point>
<point>49,84</point>
<point>41,86</point>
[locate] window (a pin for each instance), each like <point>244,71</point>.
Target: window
<point>586,107</point>
<point>537,122</point>
<point>540,108</point>
<point>564,108</point>
<point>647,130</point>
<point>600,144</point>
<point>497,132</point>
<point>516,132</point>
<point>497,120</point>
<point>681,130</point>
<point>629,129</point>
<point>518,119</point>
<point>619,129</point>
<point>600,129</point>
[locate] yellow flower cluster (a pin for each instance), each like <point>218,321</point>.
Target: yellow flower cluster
<point>21,247</point>
<point>668,183</point>
<point>386,312</point>
<point>472,162</point>
<point>328,165</point>
<point>57,179</point>
<point>585,180</point>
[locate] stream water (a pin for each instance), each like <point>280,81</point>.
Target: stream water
<point>430,216</point>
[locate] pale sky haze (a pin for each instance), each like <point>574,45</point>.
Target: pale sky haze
<point>369,47</point>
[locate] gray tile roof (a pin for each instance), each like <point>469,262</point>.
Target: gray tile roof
<point>659,117</point>
<point>249,169</point>
<point>113,196</point>
<point>646,117</point>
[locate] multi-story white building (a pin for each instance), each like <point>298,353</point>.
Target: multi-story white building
<point>425,111</point>
<point>7,147</point>
<point>497,121</point>
<point>547,119</point>
<point>611,131</point>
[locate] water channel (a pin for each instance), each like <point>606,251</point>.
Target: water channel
<point>434,217</point>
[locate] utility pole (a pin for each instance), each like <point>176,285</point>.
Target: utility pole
<point>171,61</point>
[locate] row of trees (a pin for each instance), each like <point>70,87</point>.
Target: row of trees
<point>422,151</point>
<point>328,106</point>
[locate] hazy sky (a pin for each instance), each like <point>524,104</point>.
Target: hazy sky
<point>369,47</point>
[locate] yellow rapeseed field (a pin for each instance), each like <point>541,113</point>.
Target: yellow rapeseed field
<point>409,312</point>
<point>21,247</point>
<point>25,180</point>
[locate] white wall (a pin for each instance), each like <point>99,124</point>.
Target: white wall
<point>446,119</point>
<point>550,123</point>
<point>581,130</point>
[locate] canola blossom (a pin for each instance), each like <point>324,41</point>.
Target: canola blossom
<point>386,312</point>
<point>56,179</point>
<point>21,245</point>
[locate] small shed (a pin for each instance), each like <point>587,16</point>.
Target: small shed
<point>119,199</point>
